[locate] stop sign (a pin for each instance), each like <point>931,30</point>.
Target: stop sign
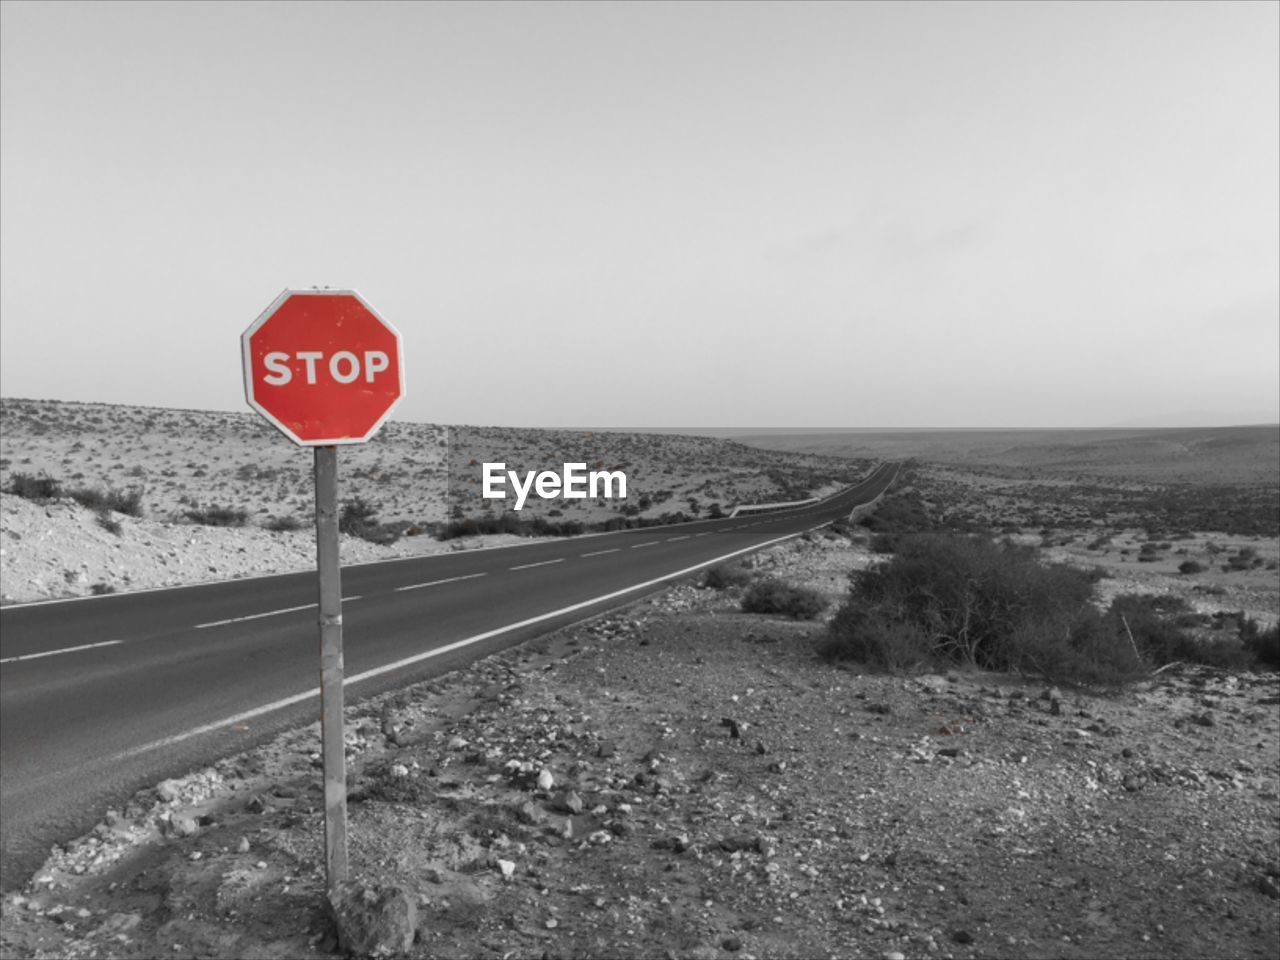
<point>323,366</point>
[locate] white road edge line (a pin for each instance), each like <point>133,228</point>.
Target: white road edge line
<point>600,553</point>
<point>54,653</point>
<point>434,583</point>
<point>540,563</point>
<point>440,651</point>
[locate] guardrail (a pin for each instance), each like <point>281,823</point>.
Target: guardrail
<point>773,507</point>
<point>769,507</point>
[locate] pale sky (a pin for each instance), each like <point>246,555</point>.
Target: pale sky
<point>731,214</point>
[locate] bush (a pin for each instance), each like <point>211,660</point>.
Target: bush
<point>217,516</point>
<point>775,596</point>
<point>858,635</point>
<point>356,514</point>
<point>898,513</point>
<point>884,543</point>
<point>954,599</point>
<point>1157,625</point>
<point>1264,645</point>
<point>128,502</point>
<point>725,575</point>
<point>1190,566</point>
<point>284,524</point>
<point>31,487</point>
<point>358,518</point>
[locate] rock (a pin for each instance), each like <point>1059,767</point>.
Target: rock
<point>119,923</point>
<point>1202,720</point>
<point>399,770</point>
<point>570,801</point>
<point>1266,885</point>
<point>508,868</point>
<point>243,845</point>
<point>1055,708</point>
<point>372,918</point>
<point>530,813</point>
<point>962,936</point>
<point>732,944</point>
<point>455,743</point>
<point>184,826</point>
<point>882,709</point>
<point>545,780</point>
<point>735,728</point>
<point>606,749</point>
<point>169,790</point>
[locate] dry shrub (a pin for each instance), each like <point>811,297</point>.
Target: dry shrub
<point>725,575</point>
<point>775,596</point>
<point>951,599</point>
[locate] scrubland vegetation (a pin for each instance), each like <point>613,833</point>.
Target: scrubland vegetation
<point>954,590</point>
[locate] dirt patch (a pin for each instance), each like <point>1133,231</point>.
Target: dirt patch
<point>682,779</point>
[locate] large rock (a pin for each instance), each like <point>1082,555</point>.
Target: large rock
<point>373,919</point>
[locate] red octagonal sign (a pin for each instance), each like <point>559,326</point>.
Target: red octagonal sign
<point>323,366</point>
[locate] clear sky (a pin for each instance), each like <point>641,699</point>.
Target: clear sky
<point>666,214</point>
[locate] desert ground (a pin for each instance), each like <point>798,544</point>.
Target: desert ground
<point>682,778</point>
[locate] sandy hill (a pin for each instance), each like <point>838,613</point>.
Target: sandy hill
<point>410,471</point>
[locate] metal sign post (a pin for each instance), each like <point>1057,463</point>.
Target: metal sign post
<point>333,748</point>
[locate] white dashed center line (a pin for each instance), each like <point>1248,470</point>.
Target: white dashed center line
<point>543,563</point>
<point>647,543</point>
<point>253,616</point>
<point>54,653</point>
<point>269,613</point>
<point>433,583</point>
<point>600,553</point>
<point>674,539</point>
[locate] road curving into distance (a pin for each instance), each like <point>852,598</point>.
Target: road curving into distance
<point>102,696</point>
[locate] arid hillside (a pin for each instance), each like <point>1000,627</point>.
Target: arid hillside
<point>184,460</point>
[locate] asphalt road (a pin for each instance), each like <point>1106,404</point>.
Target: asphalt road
<point>103,696</point>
